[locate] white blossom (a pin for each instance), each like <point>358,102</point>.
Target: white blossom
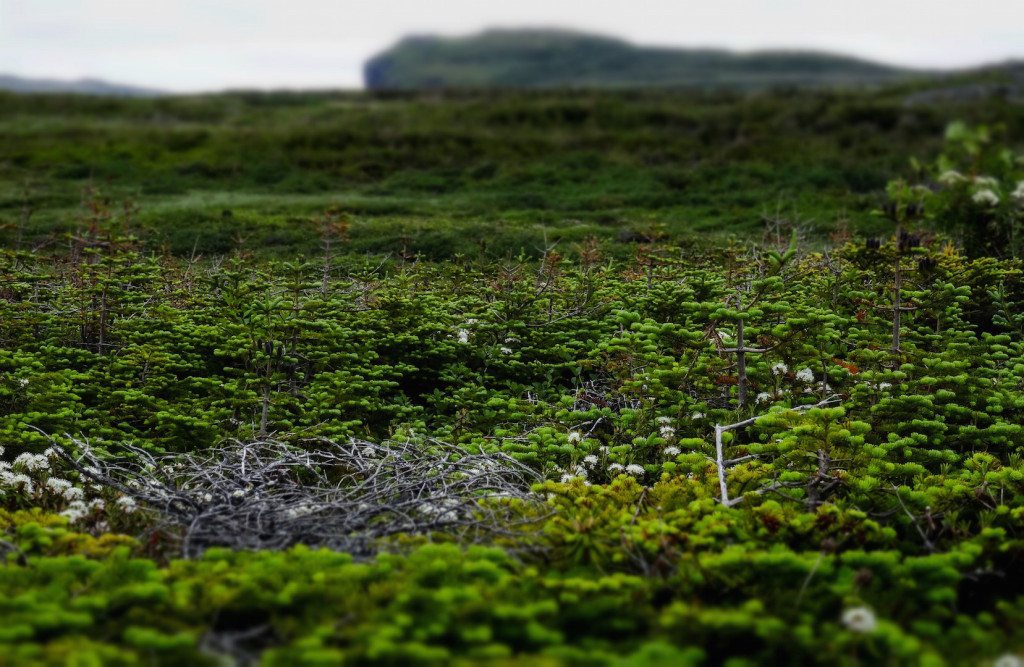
<point>1018,193</point>
<point>986,197</point>
<point>590,460</point>
<point>697,415</point>
<point>506,350</point>
<point>76,511</point>
<point>1008,660</point>
<point>17,481</point>
<point>667,432</point>
<point>671,451</point>
<point>32,462</point>
<point>635,470</point>
<point>574,437</point>
<point>951,177</point>
<point>58,485</point>
<point>859,619</point>
<point>986,181</point>
<point>127,504</point>
<point>780,369</point>
<point>763,397</point>
<point>664,420</point>
<point>463,336</point>
<point>805,375</point>
<point>615,467</point>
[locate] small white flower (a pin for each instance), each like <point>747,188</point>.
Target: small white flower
<point>23,382</point>
<point>780,369</point>
<point>635,470</point>
<point>859,619</point>
<point>667,432</point>
<point>986,181</point>
<point>664,420</point>
<point>574,437</point>
<point>951,177</point>
<point>884,385</point>
<point>97,504</point>
<point>237,493</point>
<point>58,485</point>
<point>32,462</point>
<point>805,375</point>
<point>76,511</point>
<point>208,497</point>
<point>986,197</point>
<point>763,397</point>
<point>1008,660</point>
<point>18,481</point>
<point>697,415</point>
<point>463,336</point>
<point>615,467</point>
<point>506,350</point>
<point>671,452</point>
<point>1018,193</point>
<point>590,460</point>
<point>127,504</point>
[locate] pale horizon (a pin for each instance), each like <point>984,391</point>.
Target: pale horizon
<point>194,46</point>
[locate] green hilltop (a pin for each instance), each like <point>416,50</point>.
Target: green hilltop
<point>541,58</point>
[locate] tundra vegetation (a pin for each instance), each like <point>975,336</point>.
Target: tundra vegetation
<point>331,380</point>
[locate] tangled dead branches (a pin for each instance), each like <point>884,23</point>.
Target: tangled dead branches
<point>267,494</point>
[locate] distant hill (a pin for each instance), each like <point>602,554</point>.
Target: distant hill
<point>19,84</point>
<point>555,58</point>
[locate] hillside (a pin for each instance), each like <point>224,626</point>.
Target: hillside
<point>553,58</point>
<point>87,86</point>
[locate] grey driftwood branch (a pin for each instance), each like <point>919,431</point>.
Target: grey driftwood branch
<point>348,496</point>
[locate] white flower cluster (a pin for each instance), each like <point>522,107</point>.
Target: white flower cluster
<point>985,197</point>
<point>859,619</point>
<point>574,437</point>
<point>1018,193</point>
<point>780,369</point>
<point>671,452</point>
<point>32,462</point>
<point>1008,660</point>
<point>763,397</point>
<point>951,177</point>
<point>805,375</point>
<point>79,509</point>
<point>635,470</point>
<point>64,489</point>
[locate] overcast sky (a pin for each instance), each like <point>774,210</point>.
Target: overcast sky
<point>191,45</point>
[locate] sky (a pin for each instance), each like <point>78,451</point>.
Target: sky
<point>200,45</point>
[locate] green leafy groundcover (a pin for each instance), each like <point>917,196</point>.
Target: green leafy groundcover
<point>441,604</point>
<point>882,526</point>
